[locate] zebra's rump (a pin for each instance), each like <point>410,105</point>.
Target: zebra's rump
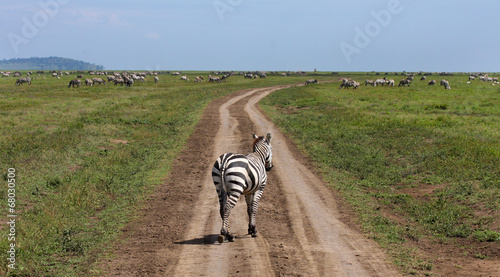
<point>236,172</point>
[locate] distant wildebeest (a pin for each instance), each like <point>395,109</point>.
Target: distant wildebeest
<point>75,82</point>
<point>431,83</point>
<point>21,81</point>
<point>405,82</point>
<point>311,81</point>
<point>89,82</point>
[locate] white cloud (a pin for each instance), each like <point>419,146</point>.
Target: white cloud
<point>153,36</point>
<point>91,16</point>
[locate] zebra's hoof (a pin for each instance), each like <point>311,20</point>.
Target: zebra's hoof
<point>254,235</point>
<point>230,237</point>
<point>220,239</point>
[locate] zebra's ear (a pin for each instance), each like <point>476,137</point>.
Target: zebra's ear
<point>268,137</point>
<point>255,136</point>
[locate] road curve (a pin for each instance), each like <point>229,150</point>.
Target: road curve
<point>328,246</point>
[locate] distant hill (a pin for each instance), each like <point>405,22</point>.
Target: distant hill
<point>50,63</point>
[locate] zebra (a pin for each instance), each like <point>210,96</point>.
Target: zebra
<point>236,174</point>
<point>405,82</point>
<point>446,84</point>
<point>74,82</point>
<point>311,81</point>
<point>98,80</point>
<point>21,81</point>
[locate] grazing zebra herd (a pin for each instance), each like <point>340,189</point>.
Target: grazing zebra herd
<point>237,174</point>
<point>389,82</point>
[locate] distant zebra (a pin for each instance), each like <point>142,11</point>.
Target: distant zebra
<point>98,80</point>
<point>129,82</point>
<point>157,79</point>
<point>312,81</point>
<point>445,84</point>
<point>379,82</point>
<point>21,81</point>
<point>405,82</point>
<point>74,82</point>
<point>89,82</point>
<point>236,174</point>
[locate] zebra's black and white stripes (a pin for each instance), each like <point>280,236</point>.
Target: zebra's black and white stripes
<point>237,174</point>
<point>20,81</point>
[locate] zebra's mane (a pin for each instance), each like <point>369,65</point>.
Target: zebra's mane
<point>255,141</point>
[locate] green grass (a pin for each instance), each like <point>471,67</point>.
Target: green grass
<point>417,162</point>
<point>86,157</point>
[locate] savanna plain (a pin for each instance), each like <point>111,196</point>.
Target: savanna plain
<point>415,167</point>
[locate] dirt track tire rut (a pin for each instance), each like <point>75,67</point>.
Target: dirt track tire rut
<point>300,232</point>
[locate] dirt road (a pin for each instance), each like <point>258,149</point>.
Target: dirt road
<point>300,231</point>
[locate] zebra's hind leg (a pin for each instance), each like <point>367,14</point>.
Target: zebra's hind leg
<point>231,202</point>
<point>252,214</point>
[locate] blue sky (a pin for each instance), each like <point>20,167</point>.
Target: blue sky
<point>356,35</point>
